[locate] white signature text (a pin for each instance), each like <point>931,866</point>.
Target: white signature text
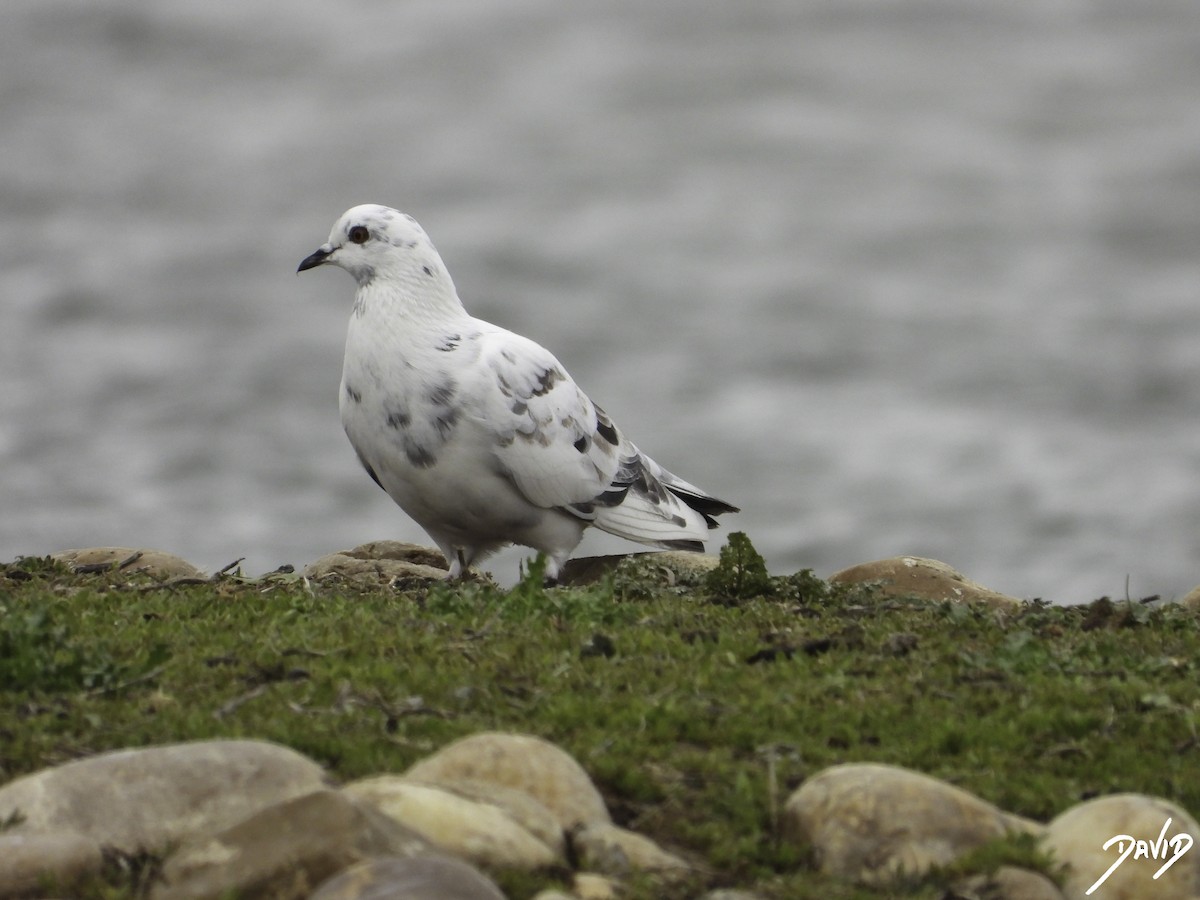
<point>1160,849</point>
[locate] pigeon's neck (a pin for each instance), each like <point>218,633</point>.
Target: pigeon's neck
<point>415,299</point>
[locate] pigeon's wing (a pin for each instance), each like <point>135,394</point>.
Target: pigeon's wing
<point>561,450</point>
<point>549,438</point>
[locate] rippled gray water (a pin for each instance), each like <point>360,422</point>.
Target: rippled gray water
<point>896,278</point>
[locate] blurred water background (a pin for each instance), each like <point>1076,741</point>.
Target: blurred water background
<point>908,277</point>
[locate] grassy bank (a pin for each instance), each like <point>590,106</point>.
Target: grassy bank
<point>696,710</point>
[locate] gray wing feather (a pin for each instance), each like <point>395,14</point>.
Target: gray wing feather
<point>546,426</point>
<point>561,450</point>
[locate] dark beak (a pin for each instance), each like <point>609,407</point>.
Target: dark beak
<point>315,258</point>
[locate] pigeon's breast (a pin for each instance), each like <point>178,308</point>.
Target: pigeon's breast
<point>433,459</point>
<point>398,409</point>
<point>410,413</point>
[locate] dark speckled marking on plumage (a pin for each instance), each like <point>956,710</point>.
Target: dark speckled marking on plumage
<point>605,429</point>
<point>546,381</point>
<point>613,496</point>
<point>354,395</point>
<point>582,444</point>
<point>416,451</point>
<point>419,455</point>
<point>445,422</point>
<point>449,342</point>
<point>398,418</point>
<point>648,486</point>
<point>533,433</point>
<point>519,407</point>
<point>428,271</point>
<point>445,417</point>
<point>443,393</point>
<point>630,474</point>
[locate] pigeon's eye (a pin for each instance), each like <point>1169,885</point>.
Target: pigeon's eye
<point>359,234</point>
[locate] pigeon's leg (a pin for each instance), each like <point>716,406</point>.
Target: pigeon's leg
<point>554,565</point>
<point>455,556</point>
<point>458,564</point>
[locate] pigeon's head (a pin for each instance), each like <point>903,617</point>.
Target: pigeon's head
<point>373,240</point>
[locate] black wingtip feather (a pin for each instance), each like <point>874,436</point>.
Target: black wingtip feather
<point>703,504</point>
<point>691,546</point>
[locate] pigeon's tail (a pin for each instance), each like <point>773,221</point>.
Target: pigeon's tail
<point>707,505</point>
<point>648,504</point>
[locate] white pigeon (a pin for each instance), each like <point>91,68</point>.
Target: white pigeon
<point>479,434</point>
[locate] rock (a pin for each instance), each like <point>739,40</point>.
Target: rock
<point>912,576</point>
<point>1077,837</point>
<point>29,860</point>
<point>480,832</point>
<point>1191,600</point>
<point>415,878</point>
<point>590,886</point>
<point>610,850</point>
<point>283,851</point>
<point>872,822</point>
<point>526,811</point>
<point>1008,883</point>
<point>679,566</point>
<point>143,799</point>
<point>156,563</point>
<point>523,762</point>
<point>379,563</point>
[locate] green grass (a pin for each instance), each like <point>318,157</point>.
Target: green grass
<point>696,710</point>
